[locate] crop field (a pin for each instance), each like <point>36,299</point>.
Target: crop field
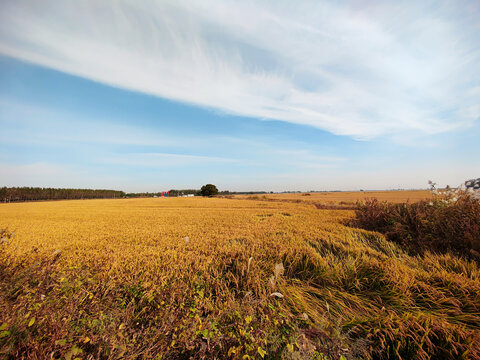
<point>217,278</point>
<point>349,197</point>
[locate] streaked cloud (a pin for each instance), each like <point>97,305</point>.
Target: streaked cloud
<point>363,69</point>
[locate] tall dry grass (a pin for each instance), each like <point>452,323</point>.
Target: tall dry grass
<point>449,222</point>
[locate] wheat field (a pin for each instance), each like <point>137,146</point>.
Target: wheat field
<point>349,197</point>
<point>181,278</point>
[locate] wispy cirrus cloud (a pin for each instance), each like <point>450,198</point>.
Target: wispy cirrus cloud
<point>361,69</point>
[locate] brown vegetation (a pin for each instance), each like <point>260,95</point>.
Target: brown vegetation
<point>443,224</point>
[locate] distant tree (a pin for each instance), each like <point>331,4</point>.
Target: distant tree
<point>209,190</point>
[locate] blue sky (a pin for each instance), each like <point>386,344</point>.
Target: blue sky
<point>153,95</point>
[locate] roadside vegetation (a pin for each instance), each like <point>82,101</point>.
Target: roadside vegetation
<point>447,223</point>
<point>217,278</point>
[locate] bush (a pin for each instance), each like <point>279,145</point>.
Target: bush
<point>447,223</point>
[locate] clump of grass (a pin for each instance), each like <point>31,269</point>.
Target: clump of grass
<point>444,224</point>
<point>414,335</point>
<point>6,238</point>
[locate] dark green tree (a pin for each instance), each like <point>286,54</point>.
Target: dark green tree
<point>36,193</point>
<point>209,190</point>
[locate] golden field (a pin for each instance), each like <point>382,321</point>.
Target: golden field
<point>350,197</point>
<point>216,278</point>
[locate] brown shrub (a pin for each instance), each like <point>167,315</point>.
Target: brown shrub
<point>442,225</point>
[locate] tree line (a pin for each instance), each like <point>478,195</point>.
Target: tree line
<point>171,193</point>
<point>14,194</point>
<point>8,194</point>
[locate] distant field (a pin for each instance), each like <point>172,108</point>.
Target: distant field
<point>352,196</point>
<point>254,279</point>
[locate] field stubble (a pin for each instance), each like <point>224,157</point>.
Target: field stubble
<point>254,279</point>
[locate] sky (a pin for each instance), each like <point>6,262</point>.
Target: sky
<point>251,95</point>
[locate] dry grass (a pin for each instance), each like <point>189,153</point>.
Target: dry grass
<point>446,223</point>
<point>115,279</point>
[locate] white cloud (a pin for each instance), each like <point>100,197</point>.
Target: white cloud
<point>363,70</point>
